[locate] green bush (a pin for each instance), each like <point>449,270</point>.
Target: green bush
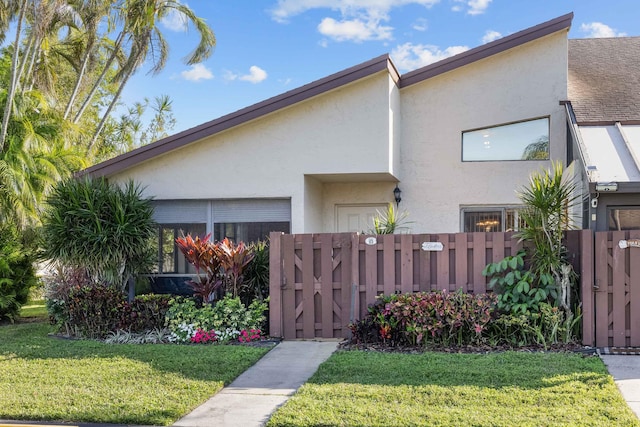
<point>519,291</point>
<point>17,274</point>
<point>256,276</point>
<point>107,229</point>
<point>228,317</point>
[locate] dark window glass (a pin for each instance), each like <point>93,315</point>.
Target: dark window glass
<point>247,231</point>
<point>170,259</point>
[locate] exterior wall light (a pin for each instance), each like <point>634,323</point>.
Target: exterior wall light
<point>396,195</point>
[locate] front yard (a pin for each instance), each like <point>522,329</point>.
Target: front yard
<point>45,378</point>
<point>355,388</point>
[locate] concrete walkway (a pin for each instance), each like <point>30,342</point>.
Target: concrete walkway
<point>625,371</point>
<point>250,400</point>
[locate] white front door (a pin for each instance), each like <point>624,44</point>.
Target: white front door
<point>357,218</point>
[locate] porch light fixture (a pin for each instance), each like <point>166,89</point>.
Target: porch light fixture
<point>396,195</point>
<point>606,186</point>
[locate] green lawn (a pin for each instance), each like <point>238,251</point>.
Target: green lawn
<point>45,378</point>
<point>33,310</point>
<point>355,388</point>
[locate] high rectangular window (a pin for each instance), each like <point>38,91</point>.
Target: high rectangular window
<point>248,231</point>
<point>526,140</point>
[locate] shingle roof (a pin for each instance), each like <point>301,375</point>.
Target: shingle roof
<point>604,80</point>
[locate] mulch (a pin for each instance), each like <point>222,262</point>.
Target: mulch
<point>469,349</point>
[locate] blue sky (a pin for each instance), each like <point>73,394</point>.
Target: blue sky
<point>267,47</point>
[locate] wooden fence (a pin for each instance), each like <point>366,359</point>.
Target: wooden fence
<point>616,302</point>
<point>319,283</point>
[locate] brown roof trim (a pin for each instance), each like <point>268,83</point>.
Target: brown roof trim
<point>373,66</point>
<point>244,115</point>
<point>489,49</point>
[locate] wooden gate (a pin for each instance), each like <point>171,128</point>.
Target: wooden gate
<point>616,290</point>
<point>320,283</point>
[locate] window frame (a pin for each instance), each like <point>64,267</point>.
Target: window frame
<point>486,128</point>
<point>502,209</point>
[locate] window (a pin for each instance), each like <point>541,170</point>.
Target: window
<point>170,259</point>
<point>490,219</point>
<point>528,140</point>
<point>248,231</point>
<point>624,218</point>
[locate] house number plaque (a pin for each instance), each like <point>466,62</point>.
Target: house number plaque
<point>631,243</point>
<point>432,246</point>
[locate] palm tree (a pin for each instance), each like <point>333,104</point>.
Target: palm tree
<point>141,18</point>
<point>35,156</point>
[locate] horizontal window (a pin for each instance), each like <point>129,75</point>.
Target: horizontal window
<point>490,219</point>
<point>528,140</point>
<point>247,231</point>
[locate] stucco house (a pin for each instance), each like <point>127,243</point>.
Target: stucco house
<point>457,137</point>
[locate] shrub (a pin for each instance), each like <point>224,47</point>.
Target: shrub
<point>256,283</point>
<point>17,275</point>
<point>94,310</point>
<point>550,325</point>
<point>440,318</point>
<point>154,336</point>
<point>107,229</point>
<point>57,290</point>
<point>144,313</point>
<point>518,290</point>
<point>219,265</point>
<point>227,318</point>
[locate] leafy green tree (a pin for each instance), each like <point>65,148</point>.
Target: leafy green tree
<point>107,229</point>
<point>17,274</point>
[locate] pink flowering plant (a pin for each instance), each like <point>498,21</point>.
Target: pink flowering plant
<point>204,337</point>
<point>250,335</point>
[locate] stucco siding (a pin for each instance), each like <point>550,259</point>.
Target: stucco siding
<point>519,84</point>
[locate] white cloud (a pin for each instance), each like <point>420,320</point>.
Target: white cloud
<point>420,25</point>
<point>354,30</point>
<point>359,20</point>
<point>256,75</point>
<point>411,56</point>
<point>600,30</point>
<point>490,35</point>
<point>288,8</point>
<point>196,73</point>
<point>175,21</point>
<point>475,7</point>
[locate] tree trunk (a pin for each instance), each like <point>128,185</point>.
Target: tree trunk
<point>113,103</point>
<point>13,78</point>
<point>96,85</point>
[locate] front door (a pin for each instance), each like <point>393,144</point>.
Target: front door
<point>357,218</point>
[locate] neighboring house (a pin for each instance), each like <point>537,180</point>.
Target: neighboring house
<point>604,120</point>
<point>458,137</point>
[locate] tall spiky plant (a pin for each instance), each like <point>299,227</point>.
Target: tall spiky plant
<point>549,199</point>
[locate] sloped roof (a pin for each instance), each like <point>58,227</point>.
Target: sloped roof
<point>324,85</point>
<point>604,80</point>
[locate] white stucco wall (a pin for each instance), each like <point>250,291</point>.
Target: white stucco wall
<point>345,131</point>
<point>519,84</point>
<point>351,145</point>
